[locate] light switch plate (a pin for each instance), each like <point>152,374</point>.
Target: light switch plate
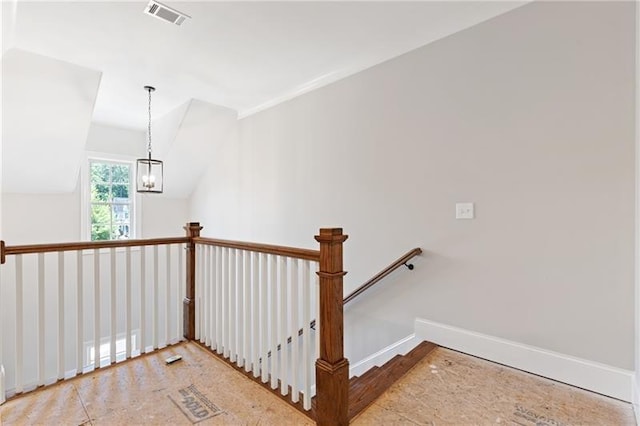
<point>464,211</point>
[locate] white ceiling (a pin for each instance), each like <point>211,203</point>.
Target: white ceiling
<point>240,55</point>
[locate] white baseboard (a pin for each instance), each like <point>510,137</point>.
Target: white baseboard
<point>401,347</point>
<point>636,397</point>
<point>590,375</point>
<point>2,395</point>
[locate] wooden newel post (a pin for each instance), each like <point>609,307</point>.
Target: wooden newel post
<point>332,368</point>
<point>189,303</point>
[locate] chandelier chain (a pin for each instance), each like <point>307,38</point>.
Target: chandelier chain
<point>149,129</point>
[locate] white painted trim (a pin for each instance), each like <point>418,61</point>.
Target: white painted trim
<point>5,45</point>
<point>636,396</point>
<point>586,374</point>
<point>307,87</point>
<point>85,202</point>
<point>323,80</point>
<point>340,74</point>
<point>401,347</point>
<point>636,382</point>
<point>2,396</point>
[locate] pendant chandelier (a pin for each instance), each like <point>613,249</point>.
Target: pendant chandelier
<point>149,177</point>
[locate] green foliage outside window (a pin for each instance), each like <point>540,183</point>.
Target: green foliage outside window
<point>110,201</point>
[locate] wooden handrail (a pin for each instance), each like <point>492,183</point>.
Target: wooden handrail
<point>90,245</point>
<point>395,265</point>
<point>380,275</point>
<point>297,253</point>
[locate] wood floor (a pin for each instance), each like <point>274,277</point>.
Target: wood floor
<point>446,387</point>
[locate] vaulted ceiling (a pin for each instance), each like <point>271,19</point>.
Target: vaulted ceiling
<point>90,60</point>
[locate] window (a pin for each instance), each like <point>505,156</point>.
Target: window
<point>105,350</point>
<point>111,200</point>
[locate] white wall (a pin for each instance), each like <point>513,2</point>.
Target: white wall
<point>40,218</point>
<point>48,106</point>
<point>51,218</point>
<point>163,217</point>
<point>115,140</point>
<point>7,24</point>
<point>529,115</point>
<point>215,200</point>
<point>636,396</point>
<point>54,218</point>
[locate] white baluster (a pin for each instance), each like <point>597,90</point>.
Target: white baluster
<point>211,293</point>
<point>231,323</point>
<point>211,260</point>
<point>197,296</point>
<point>295,306</point>
<point>202,292</point>
<point>154,307</point>
<point>211,300</point>
<point>167,300</point>
<point>80,313</point>
<point>60,315</point>
<point>96,308</point>
<point>179,293</point>
<point>307,360</point>
<point>226,288</point>
<point>41,319</point>
<point>143,300</point>
<point>255,313</point>
<point>128,302</point>
<point>19,326</point>
<point>239,310</point>
<point>264,309</point>
<point>219,299</point>
<point>246,310</point>
<point>200,296</point>
<point>315,297</point>
<point>112,299</point>
<point>284,327</point>
<point>273,285</point>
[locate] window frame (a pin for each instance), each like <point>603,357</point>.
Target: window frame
<point>86,202</point>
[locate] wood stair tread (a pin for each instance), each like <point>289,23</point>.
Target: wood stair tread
<point>365,389</point>
<point>363,378</point>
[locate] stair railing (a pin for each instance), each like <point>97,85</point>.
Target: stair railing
<point>250,298</point>
<point>402,261</point>
<point>77,307</point>
<point>123,298</point>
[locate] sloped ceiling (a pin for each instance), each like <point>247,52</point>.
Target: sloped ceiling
<point>201,134</point>
<point>241,56</point>
<point>47,106</point>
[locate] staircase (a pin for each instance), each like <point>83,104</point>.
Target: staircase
<point>241,300</point>
<point>365,389</point>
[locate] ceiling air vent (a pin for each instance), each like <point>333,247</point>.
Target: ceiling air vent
<point>165,13</point>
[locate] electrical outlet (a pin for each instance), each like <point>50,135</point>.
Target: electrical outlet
<point>464,211</point>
